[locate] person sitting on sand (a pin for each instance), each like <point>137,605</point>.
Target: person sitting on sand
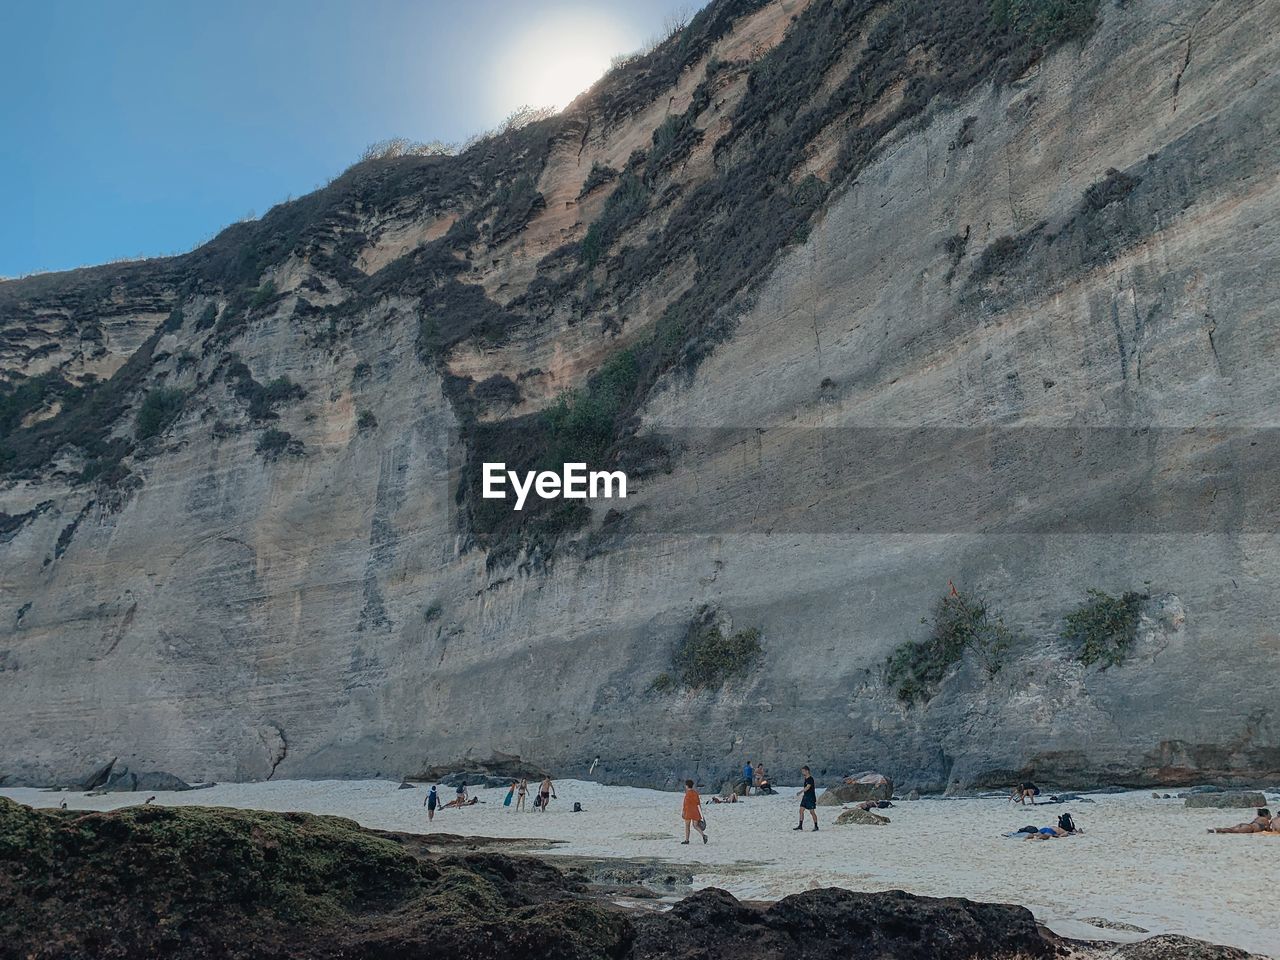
<point>1262,823</point>
<point>546,790</point>
<point>762,781</point>
<point>1025,791</point>
<point>691,811</point>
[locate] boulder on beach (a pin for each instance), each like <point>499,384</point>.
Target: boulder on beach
<point>860,816</point>
<point>865,786</point>
<point>124,780</point>
<point>913,795</point>
<point>99,776</point>
<point>1237,798</point>
<point>498,771</point>
<point>406,785</point>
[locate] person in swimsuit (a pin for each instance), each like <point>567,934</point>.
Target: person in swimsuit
<point>691,811</point>
<point>1025,791</point>
<point>1066,828</point>
<point>432,801</point>
<point>808,800</point>
<point>521,791</point>
<point>546,791</point>
<point>1259,824</point>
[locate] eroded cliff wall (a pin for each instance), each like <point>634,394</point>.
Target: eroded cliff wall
<point>289,579</point>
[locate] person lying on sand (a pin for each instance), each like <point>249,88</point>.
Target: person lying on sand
<point>873,805</point>
<point>731,798</point>
<point>1066,828</point>
<point>1262,823</point>
<point>458,802</point>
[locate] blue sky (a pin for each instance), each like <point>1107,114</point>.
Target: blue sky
<point>143,128</point>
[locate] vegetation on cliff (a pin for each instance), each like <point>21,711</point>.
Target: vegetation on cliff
<point>707,658</point>
<point>961,624</point>
<point>729,228</point>
<point>1103,628</point>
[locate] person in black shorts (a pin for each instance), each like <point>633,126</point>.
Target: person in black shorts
<point>432,801</point>
<point>808,799</point>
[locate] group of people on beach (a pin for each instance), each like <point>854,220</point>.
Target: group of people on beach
<point>518,791</point>
<point>691,807</point>
<point>755,778</point>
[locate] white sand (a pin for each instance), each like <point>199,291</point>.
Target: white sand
<point>1141,861</point>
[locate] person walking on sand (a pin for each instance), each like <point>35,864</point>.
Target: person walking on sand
<point>521,792</point>
<point>432,801</point>
<point>808,800</point>
<point>691,811</point>
<point>546,791</point>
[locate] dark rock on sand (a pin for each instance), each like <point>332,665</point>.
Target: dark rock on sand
<point>99,776</point>
<point>880,789</point>
<point>1240,798</point>
<point>406,785</point>
<point>837,924</point>
<point>498,771</point>
<point>123,780</point>
<point>1173,947</point>
<point>858,815</point>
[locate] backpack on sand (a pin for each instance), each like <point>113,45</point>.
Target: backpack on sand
<point>1066,823</point>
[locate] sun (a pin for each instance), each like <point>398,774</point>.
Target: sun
<point>556,59</point>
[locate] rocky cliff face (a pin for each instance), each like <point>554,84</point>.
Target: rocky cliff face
<point>869,298</point>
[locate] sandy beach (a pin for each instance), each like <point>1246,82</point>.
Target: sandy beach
<point>1143,862</point>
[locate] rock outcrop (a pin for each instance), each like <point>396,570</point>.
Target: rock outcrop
<point>864,787</point>
<point>867,297</point>
<point>859,816</point>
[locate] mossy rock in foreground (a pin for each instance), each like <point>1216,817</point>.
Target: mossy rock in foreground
<point>210,882</point>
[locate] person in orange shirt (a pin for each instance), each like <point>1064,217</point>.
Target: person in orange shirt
<point>692,813</point>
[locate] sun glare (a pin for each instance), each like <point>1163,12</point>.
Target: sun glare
<point>555,60</point>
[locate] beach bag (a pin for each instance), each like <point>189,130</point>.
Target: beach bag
<point>1066,823</point>
<point>702,824</point>
<point>510,794</point>
<point>537,801</point>
<point>577,808</point>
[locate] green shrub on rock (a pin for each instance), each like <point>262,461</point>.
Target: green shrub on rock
<point>960,624</point>
<point>160,408</point>
<point>707,657</point>
<point>1104,627</point>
